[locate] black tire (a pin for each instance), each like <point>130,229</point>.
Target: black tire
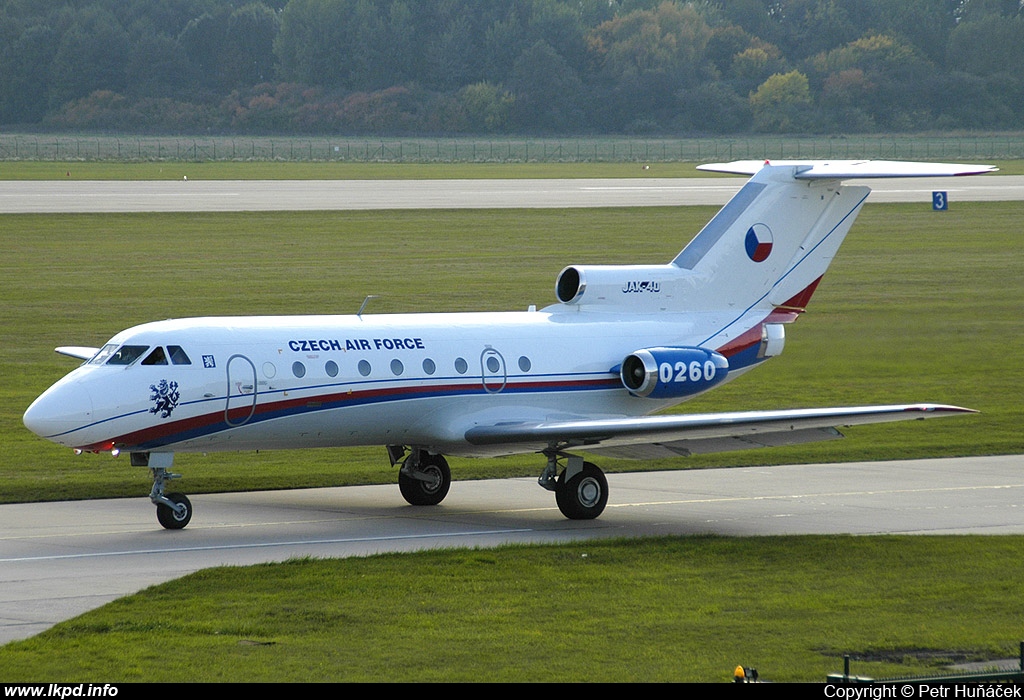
<point>427,493</point>
<point>584,496</point>
<point>169,518</point>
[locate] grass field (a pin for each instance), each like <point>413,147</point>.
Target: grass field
<point>918,306</point>
<point>228,170</point>
<point>658,610</point>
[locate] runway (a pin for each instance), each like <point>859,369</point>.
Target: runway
<point>52,196</point>
<point>58,560</point>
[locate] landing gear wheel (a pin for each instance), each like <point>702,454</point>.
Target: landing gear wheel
<point>584,496</point>
<point>171,519</point>
<point>426,483</point>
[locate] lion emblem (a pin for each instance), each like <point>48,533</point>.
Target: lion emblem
<point>165,396</point>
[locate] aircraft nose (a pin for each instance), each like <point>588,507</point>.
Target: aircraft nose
<point>60,410</point>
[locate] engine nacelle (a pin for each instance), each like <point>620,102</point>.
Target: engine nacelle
<point>616,284</point>
<point>672,373</point>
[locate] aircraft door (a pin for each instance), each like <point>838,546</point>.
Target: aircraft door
<point>242,391</point>
<point>492,370</point>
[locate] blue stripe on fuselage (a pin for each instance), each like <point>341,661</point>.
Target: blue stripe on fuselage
<point>213,423</point>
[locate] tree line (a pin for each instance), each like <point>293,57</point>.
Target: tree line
<point>512,66</point>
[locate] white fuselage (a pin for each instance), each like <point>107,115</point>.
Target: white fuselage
<point>319,381</point>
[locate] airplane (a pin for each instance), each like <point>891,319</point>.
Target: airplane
<point>585,374</point>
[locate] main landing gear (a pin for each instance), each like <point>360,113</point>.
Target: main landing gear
<point>173,510</point>
<point>424,478</point>
<point>581,489</point>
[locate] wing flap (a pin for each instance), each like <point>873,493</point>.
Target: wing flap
<point>708,432</point>
<point>685,448</point>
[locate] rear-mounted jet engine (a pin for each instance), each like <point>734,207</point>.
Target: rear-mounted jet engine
<point>672,373</point>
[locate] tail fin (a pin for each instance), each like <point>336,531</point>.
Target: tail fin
<point>772,241</point>
<point>771,244</point>
<point>765,250</point>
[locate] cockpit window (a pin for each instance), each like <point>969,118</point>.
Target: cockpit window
<point>157,357</point>
<point>104,354</point>
<point>126,354</point>
<point>178,356</point>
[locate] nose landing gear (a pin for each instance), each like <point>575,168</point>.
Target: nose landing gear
<point>173,510</point>
<point>176,513</point>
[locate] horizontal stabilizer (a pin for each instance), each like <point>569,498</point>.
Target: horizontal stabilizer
<point>706,428</point>
<point>77,351</point>
<point>851,169</point>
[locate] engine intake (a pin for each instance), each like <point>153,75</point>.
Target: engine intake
<point>672,373</point>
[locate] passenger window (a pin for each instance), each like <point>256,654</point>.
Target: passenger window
<point>178,356</point>
<point>428,366</point>
<point>397,367</point>
<point>364,368</point>
<point>524,363</point>
<point>461,365</point>
<point>127,354</point>
<point>331,368</point>
<point>299,369</point>
<point>156,357</point>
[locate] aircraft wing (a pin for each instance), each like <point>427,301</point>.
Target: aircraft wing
<point>852,169</point>
<point>684,434</point>
<point>77,351</point>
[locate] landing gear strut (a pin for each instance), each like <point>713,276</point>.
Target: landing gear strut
<point>581,489</point>
<point>173,510</point>
<point>424,478</point>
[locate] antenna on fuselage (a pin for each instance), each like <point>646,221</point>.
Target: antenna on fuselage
<point>365,302</point>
